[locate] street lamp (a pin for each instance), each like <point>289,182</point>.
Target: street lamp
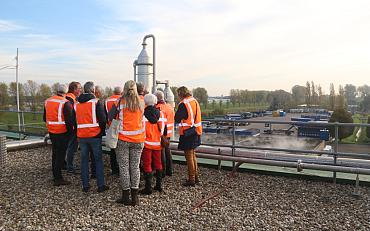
<point>16,77</point>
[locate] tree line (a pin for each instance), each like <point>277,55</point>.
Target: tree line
<point>310,95</point>
<point>31,95</point>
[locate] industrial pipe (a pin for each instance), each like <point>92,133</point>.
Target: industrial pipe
<point>298,164</point>
<point>21,144</point>
<point>154,62</point>
<point>282,156</point>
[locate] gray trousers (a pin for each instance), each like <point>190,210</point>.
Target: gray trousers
<point>128,157</point>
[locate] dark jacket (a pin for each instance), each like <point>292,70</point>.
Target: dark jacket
<point>68,116</point>
<point>181,113</point>
<point>100,112</point>
<point>185,143</point>
<point>151,114</point>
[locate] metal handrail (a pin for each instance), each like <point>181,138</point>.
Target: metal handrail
<point>319,124</point>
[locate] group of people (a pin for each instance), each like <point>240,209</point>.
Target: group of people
<point>146,124</point>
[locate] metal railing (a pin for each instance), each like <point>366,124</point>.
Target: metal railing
<point>253,154</point>
<point>334,155</point>
<point>30,123</point>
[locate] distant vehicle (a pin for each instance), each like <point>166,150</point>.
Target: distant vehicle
<point>233,117</point>
<point>247,115</point>
<point>268,112</point>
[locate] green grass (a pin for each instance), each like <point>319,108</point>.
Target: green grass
<point>209,111</point>
<point>9,121</point>
<point>363,139</point>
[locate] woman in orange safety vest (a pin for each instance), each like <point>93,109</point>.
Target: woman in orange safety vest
<point>129,110</point>
<point>188,116</point>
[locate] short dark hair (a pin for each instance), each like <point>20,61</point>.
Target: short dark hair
<point>73,86</point>
<point>89,87</point>
<point>140,87</point>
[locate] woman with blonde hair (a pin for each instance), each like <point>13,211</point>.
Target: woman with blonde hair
<point>129,110</point>
<point>188,116</point>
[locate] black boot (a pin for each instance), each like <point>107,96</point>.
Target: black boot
<point>125,198</point>
<point>189,183</point>
<point>148,184</point>
<point>158,181</point>
<point>134,197</point>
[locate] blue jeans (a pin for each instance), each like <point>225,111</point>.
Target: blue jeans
<point>71,150</point>
<point>95,145</point>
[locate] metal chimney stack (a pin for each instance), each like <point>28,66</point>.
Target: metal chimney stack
<point>144,71</point>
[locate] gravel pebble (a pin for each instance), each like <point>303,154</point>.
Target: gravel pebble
<point>29,201</point>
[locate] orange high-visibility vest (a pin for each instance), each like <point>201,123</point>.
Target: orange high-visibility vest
<point>142,98</point>
<point>153,132</point>
<point>110,101</point>
<point>72,96</point>
<point>54,114</point>
<point>132,127</point>
<point>192,107</point>
<point>169,114</point>
<point>87,124</point>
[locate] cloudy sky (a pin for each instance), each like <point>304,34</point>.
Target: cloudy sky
<point>219,44</point>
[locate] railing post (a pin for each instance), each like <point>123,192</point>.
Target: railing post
<point>23,127</point>
<point>335,151</point>
<point>233,146</point>
<point>219,161</point>
<point>19,125</point>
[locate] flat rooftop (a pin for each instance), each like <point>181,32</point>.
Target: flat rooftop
<point>248,201</point>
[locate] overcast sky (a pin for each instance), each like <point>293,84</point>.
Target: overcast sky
<point>219,45</point>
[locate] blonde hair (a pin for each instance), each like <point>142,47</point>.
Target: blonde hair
<point>183,92</point>
<point>131,97</point>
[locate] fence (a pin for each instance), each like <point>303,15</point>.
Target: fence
<point>230,147</point>
<point>23,123</point>
<point>350,162</point>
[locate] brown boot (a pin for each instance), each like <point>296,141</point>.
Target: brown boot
<point>125,198</point>
<point>134,197</point>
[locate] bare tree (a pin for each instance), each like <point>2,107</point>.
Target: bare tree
<point>332,97</point>
<point>308,93</point>
<point>31,89</point>
<point>13,94</point>
<point>4,96</point>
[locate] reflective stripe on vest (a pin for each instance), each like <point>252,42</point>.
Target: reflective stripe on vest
<point>153,135</point>
<point>153,143</point>
<point>187,102</point>
<point>169,115</point>
<point>87,124</point>
<point>131,127</point>
<point>128,133</point>
<point>54,124</point>
<point>193,120</point>
<point>132,133</point>
<point>93,112</point>
<point>111,101</point>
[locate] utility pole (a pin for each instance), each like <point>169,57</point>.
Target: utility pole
<point>16,77</point>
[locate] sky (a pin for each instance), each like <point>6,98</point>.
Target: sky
<point>219,44</point>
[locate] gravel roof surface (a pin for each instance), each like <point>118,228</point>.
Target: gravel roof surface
<point>29,201</point>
